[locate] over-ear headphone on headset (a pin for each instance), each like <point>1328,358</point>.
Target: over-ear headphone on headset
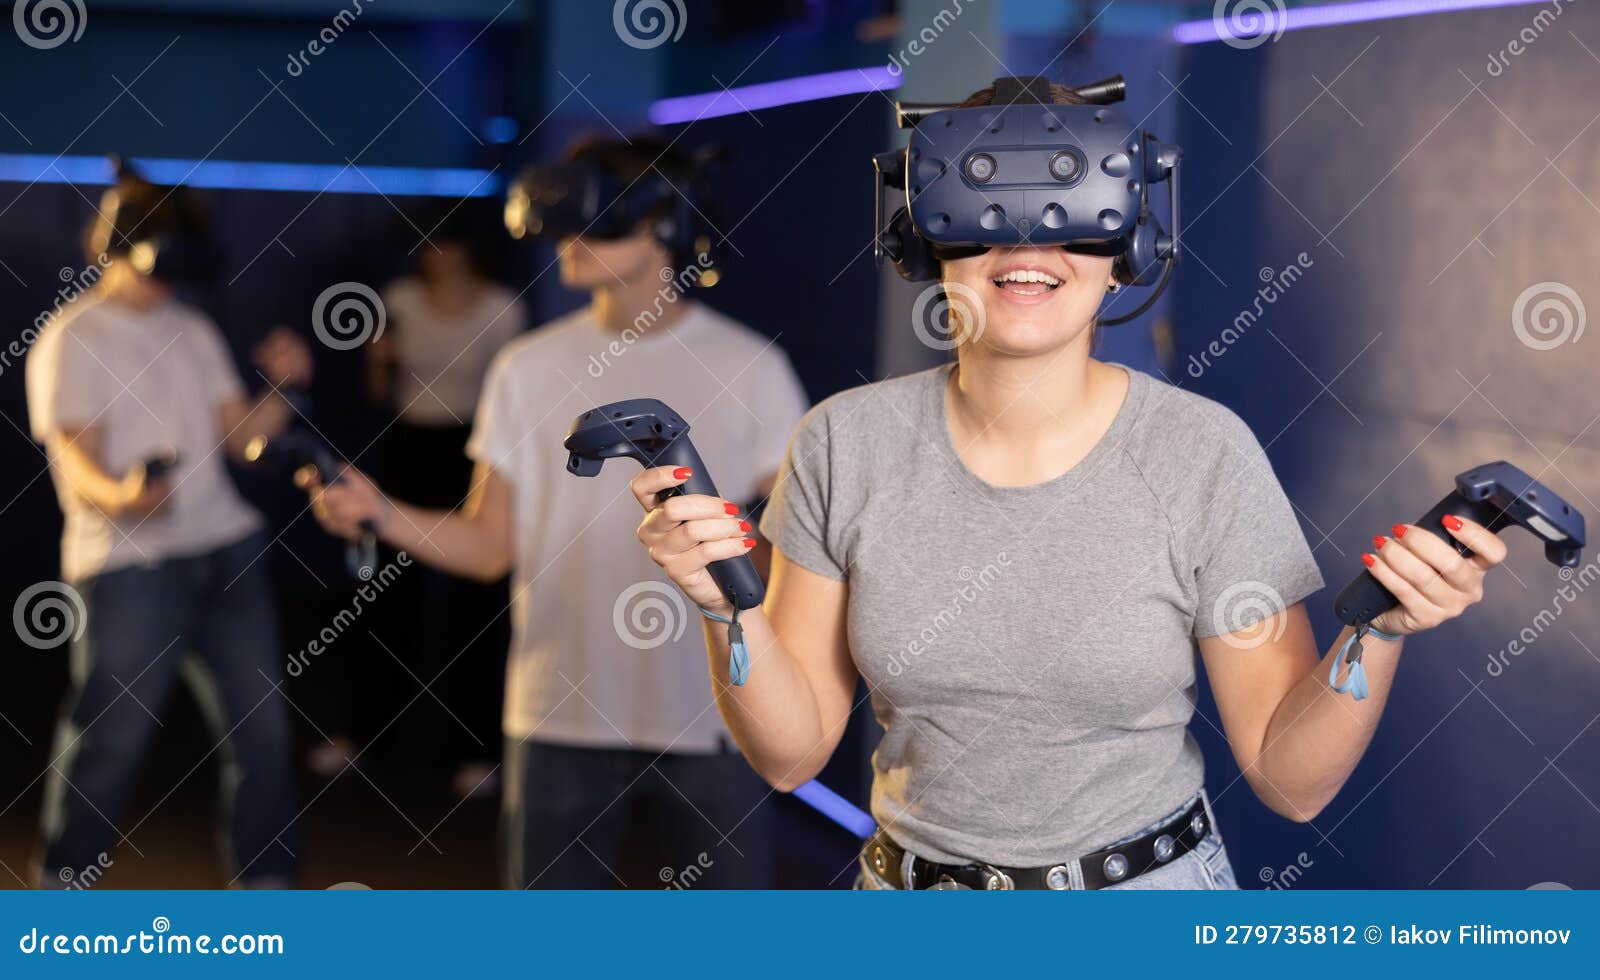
<point>1026,170</point>
<point>160,230</point>
<point>591,194</point>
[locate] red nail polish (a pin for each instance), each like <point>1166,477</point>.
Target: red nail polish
<point>744,526</point>
<point>730,509</point>
<point>1368,560</point>
<point>1399,530</point>
<point>682,473</point>
<point>1452,522</point>
<point>1379,541</point>
<point>749,542</point>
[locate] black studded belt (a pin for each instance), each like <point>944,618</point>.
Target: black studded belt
<point>1109,866</point>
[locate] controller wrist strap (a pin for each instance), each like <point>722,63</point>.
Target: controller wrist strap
<point>738,652</point>
<point>361,555</point>
<point>1355,681</point>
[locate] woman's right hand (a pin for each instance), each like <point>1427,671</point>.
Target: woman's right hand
<point>344,506</point>
<point>684,534</point>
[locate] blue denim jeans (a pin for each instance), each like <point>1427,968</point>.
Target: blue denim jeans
<point>208,619</point>
<point>1205,868</point>
<point>701,821</point>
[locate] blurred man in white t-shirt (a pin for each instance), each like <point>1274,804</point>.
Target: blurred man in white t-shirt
<point>609,724</point>
<point>127,381</point>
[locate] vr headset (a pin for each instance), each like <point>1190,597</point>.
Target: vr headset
<point>162,231</point>
<point>1028,171</point>
<point>583,196</point>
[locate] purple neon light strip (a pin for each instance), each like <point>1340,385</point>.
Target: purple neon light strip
<point>836,808</point>
<point>766,95</point>
<point>1328,15</point>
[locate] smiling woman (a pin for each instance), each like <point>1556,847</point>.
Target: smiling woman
<point>1123,518</point>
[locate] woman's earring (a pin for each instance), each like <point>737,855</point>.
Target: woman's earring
<point>1114,288</point>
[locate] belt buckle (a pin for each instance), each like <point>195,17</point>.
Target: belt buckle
<point>879,857</point>
<point>996,880</point>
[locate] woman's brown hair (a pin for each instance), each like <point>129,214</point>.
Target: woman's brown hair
<point>1059,94</point>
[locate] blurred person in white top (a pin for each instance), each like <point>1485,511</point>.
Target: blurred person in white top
<point>446,321</point>
<point>602,743</point>
<point>166,561</point>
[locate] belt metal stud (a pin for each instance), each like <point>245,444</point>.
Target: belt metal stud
<point>1115,867</point>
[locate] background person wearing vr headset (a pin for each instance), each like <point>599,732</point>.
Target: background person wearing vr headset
<point>135,397</point>
<point>446,322</point>
<point>1021,552</point>
<point>610,731</point>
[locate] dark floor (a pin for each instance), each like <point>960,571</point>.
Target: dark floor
<point>353,835</point>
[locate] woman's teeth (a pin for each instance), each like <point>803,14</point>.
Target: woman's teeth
<point>1027,282</point>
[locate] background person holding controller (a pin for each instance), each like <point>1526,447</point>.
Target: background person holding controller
<point>608,733</point>
<point>167,565</point>
<point>1039,738</point>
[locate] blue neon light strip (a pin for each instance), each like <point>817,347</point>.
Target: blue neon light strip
<point>247,175</point>
<point>1274,22</point>
<point>768,95</point>
<point>836,808</point>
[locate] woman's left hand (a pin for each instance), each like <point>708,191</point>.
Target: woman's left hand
<point>1433,581</point>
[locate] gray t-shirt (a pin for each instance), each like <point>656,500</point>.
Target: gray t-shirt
<point>1031,650</point>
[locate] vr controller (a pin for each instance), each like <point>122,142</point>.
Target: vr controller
<point>1496,495</point>
<point>646,430</point>
<point>1027,171</point>
<point>296,450</point>
<point>160,464</point>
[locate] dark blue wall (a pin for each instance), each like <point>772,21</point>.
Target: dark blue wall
<point>1426,208</point>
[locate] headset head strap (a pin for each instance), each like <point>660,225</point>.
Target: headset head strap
<point>1022,90</point>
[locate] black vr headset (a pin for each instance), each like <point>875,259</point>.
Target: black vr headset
<point>587,194</point>
<point>1028,171</point>
<point>162,231</point>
